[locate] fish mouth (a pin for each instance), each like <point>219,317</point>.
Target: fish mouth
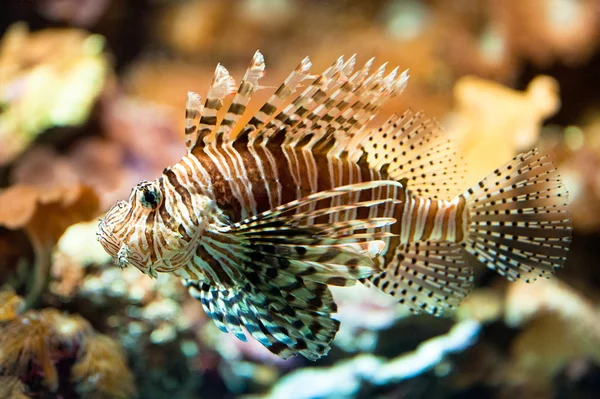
<point>105,237</point>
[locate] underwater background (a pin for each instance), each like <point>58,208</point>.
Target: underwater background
<point>92,100</point>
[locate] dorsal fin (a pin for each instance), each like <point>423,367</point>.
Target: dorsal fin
<point>330,104</point>
<point>248,85</point>
<point>331,116</point>
<point>266,112</point>
<point>414,148</point>
<point>361,113</point>
<point>193,111</point>
<point>313,94</point>
<point>221,86</point>
<point>370,97</point>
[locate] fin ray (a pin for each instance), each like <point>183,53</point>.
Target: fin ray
<point>519,220</point>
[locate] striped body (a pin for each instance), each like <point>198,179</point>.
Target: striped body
<point>245,183</point>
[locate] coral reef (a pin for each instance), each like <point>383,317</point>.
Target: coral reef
<point>44,214</point>
<point>92,97</point>
<point>40,346</point>
<point>67,66</point>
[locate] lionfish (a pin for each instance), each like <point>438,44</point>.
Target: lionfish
<point>266,211</point>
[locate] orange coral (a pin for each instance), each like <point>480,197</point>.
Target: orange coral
<point>493,122</point>
<point>44,214</point>
<point>101,371</point>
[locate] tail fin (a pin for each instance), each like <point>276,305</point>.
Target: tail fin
<point>519,223</point>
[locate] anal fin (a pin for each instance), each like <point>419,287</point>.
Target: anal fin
<point>429,277</point>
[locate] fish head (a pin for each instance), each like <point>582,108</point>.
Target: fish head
<point>143,233</point>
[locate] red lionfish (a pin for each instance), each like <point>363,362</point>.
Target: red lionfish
<point>258,218</point>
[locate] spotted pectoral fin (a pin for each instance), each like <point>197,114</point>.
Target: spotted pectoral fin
<point>430,277</point>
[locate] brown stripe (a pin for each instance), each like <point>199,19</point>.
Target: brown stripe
<point>214,265</point>
<point>319,96</point>
<point>255,122</point>
<point>414,217</point>
<point>182,191</point>
<point>245,88</point>
<point>342,105</point>
<point>268,109</point>
<point>228,122</point>
<point>430,219</point>
<point>214,103</point>
<point>445,222</point>
<point>460,233</point>
<point>208,120</point>
<point>237,108</point>
<point>283,91</point>
<point>148,232</point>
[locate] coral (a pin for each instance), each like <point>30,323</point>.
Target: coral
<point>475,41</point>
<point>44,214</point>
<point>77,12</point>
<point>26,340</point>
<point>39,344</point>
<point>67,276</point>
<point>345,378</point>
<point>559,327</point>
<point>491,122</point>
<point>101,370</point>
<point>68,66</point>
<point>578,152</point>
<point>100,163</point>
<point>42,166</point>
<point>485,305</point>
<point>140,127</point>
<point>74,252</point>
<point>548,30</point>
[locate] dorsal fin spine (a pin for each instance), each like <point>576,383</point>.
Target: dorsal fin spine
<point>248,85</point>
<point>285,90</point>
<point>193,111</point>
<point>221,86</point>
<point>313,90</point>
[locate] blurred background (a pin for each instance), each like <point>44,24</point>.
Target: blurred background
<point>92,97</point>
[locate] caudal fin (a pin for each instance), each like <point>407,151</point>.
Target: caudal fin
<point>519,223</point>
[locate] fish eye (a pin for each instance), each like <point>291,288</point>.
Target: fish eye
<point>149,196</point>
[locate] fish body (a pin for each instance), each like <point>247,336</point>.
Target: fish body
<point>259,218</point>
